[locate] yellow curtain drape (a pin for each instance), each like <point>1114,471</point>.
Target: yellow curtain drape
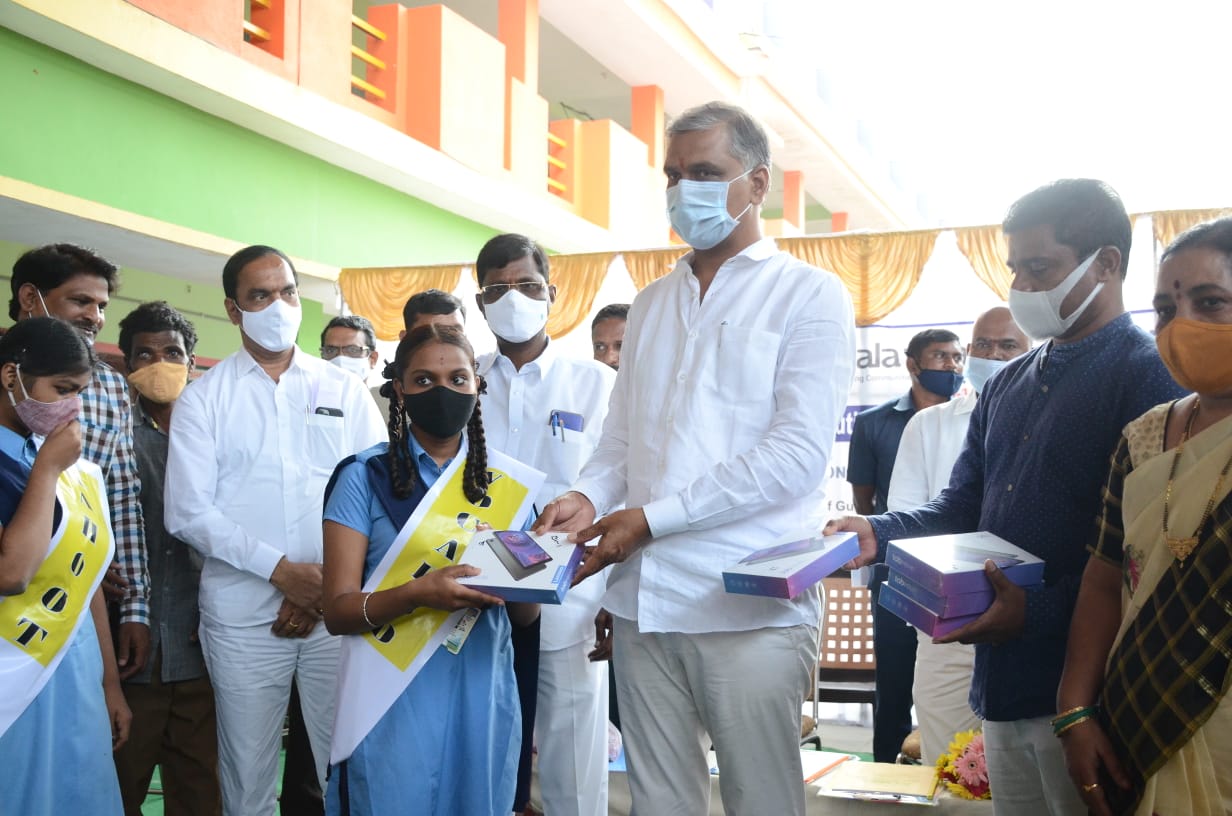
<point>879,270</point>
<point>986,251</point>
<point>577,279</point>
<point>379,293</point>
<point>1168,225</point>
<point>647,266</point>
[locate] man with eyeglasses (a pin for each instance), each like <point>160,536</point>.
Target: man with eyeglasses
<point>547,411</point>
<point>931,443</point>
<point>935,365</point>
<point>349,342</point>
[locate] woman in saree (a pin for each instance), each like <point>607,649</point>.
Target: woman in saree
<point>61,708</point>
<point>444,738</point>
<point>1144,715</point>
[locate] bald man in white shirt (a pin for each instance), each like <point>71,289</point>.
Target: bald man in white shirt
<point>733,376</point>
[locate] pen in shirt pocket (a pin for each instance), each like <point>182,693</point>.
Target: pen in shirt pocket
<point>565,420</point>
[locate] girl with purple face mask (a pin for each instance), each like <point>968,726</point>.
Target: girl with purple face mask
<point>60,700</point>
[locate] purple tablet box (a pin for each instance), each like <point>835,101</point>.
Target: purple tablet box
<point>944,606</point>
<point>954,564</point>
<point>546,585</point>
<point>926,621</point>
<point>786,570</point>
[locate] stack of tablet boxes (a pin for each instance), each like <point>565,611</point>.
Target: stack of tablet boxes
<point>937,584</point>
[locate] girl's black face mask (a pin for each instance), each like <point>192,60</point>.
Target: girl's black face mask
<point>440,411</point>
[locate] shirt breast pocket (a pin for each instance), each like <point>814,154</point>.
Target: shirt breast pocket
<point>323,444</point>
<point>747,360</point>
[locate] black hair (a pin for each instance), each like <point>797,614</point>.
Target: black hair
<point>355,323</point>
<point>1216,235</point>
<point>236,263</point>
<point>433,302</point>
<point>46,347</point>
<point>504,250</point>
<point>926,338</point>
<point>612,311</point>
<point>51,266</point>
<point>1085,214</point>
<point>402,468</point>
<point>155,316</point>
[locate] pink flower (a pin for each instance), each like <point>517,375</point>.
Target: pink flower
<point>970,766</point>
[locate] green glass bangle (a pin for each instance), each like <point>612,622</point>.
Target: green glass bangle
<point>1060,731</point>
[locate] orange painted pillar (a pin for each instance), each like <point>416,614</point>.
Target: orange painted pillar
<point>648,124</point>
<point>838,222</point>
<point>793,198</point>
<point>518,28</point>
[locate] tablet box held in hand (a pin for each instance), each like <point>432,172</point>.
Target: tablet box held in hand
<point>518,566</point>
<point>928,622</point>
<point>954,564</point>
<point>786,570</point>
<point>944,606</point>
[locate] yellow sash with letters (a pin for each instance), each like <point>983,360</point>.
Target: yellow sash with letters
<point>37,626</point>
<point>377,666</point>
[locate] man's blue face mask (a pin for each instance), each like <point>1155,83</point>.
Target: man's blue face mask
<point>698,211</point>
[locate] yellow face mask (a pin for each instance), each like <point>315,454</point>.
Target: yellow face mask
<point>160,382</point>
<point>1198,354</point>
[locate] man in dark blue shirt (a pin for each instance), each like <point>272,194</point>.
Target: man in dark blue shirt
<point>1036,454</point>
<point>935,363</point>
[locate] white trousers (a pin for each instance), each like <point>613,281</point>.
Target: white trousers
<point>1026,770</point>
<point>251,671</point>
<point>571,732</point>
<point>743,690</point>
<point>940,692</point>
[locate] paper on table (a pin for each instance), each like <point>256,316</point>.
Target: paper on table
<point>882,781</point>
<point>818,763</point>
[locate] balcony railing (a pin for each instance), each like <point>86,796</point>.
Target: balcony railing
<point>361,84</point>
<point>558,168</point>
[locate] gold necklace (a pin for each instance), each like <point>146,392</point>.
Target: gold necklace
<point>1182,547</point>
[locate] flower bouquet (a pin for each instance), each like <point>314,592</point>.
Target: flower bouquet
<point>962,768</point>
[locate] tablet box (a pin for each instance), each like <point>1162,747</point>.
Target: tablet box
<point>954,564</point>
<point>927,622</point>
<point>500,574</point>
<point>944,606</point>
<point>786,570</point>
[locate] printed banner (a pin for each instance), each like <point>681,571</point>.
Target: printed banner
<point>376,667</point>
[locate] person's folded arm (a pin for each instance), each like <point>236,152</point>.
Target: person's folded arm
<point>812,378</point>
<point>190,511</point>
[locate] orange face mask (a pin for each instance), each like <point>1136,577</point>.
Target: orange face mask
<point>161,382</point>
<point>1198,354</point>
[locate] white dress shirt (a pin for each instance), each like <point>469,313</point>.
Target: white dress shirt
<point>720,428</point>
<point>247,466</point>
<point>927,452</point>
<point>518,411</point>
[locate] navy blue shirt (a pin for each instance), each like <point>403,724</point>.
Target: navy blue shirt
<point>1036,455</point>
<point>874,446</point>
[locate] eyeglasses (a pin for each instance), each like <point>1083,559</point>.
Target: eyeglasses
<point>330,352</point>
<point>535,290</point>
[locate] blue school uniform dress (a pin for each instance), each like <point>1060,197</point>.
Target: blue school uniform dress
<point>449,744</point>
<point>56,755</point>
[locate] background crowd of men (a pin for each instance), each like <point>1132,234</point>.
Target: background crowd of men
<point>713,440</point>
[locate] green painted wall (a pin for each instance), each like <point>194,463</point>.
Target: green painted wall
<point>71,127</point>
<point>201,304</point>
